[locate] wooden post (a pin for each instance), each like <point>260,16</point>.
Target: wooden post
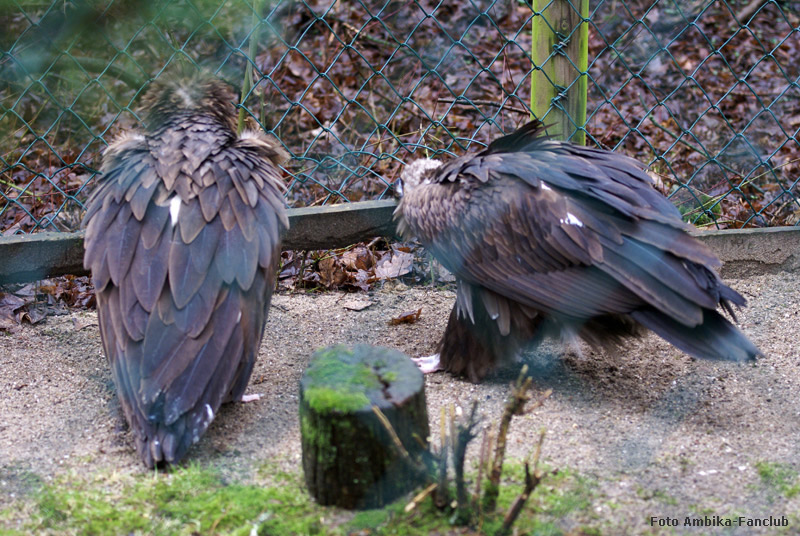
<point>353,455</point>
<point>560,54</point>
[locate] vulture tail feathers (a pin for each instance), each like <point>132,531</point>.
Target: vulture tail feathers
<point>522,139</point>
<point>715,338</point>
<point>609,332</point>
<point>473,346</point>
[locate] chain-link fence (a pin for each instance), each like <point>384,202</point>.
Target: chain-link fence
<point>705,92</point>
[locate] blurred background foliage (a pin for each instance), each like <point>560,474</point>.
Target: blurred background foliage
<point>704,92</point>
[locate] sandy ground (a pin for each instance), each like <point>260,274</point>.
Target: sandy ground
<point>661,434</point>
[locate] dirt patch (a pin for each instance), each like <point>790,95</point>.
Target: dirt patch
<point>656,432</point>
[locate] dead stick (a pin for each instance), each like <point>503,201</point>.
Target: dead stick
<point>419,497</point>
<point>441,499</point>
<point>484,452</point>
<point>462,102</point>
<point>515,405</point>
<point>744,15</point>
<point>531,481</point>
<point>463,435</point>
<point>415,466</point>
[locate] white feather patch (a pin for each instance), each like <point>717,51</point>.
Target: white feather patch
<point>174,209</point>
<point>251,135</point>
<point>209,413</point>
<point>183,94</point>
<point>572,220</point>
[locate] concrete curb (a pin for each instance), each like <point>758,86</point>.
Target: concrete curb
<point>23,258</point>
<point>748,252</point>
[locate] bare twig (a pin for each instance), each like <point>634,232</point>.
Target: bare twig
<point>747,11</point>
<point>455,437</point>
<point>479,102</point>
<point>482,457</point>
<point>247,83</point>
<point>441,497</point>
<point>514,406</point>
<point>531,481</point>
<point>419,497</point>
<point>392,434</point>
<point>416,466</point>
<point>462,435</point>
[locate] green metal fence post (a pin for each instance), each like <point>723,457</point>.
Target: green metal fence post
<point>560,54</point>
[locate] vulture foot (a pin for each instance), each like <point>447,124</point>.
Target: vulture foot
<point>428,364</point>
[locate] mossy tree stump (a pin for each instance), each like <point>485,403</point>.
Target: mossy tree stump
<point>349,458</point>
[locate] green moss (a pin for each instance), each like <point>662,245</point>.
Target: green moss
<point>326,399</point>
<point>197,500</point>
<point>389,377</point>
<point>699,208</point>
<point>190,500</point>
<point>338,380</point>
<point>779,476</point>
<point>336,367</point>
<point>370,519</point>
<point>567,493</point>
<point>393,521</point>
<point>318,439</point>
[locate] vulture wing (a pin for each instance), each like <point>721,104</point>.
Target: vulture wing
<point>572,233</point>
<point>182,238</point>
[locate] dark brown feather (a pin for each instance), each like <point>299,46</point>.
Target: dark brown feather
<point>577,235</point>
<point>183,290</point>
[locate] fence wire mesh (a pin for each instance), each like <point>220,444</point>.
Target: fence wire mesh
<point>705,92</point>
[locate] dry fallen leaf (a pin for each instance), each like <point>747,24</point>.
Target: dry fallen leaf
<point>356,304</point>
<point>358,258</point>
<point>79,324</point>
<point>390,268</point>
<point>34,314</point>
<point>409,317</point>
<point>331,272</point>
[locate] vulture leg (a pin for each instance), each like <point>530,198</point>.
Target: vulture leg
<point>428,363</point>
<point>473,349</point>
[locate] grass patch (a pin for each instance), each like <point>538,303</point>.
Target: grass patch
<point>779,476</point>
<point>559,496</point>
<point>199,500</point>
<point>191,500</point>
<point>18,481</point>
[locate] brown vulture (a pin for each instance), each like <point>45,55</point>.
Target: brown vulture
<point>549,238</point>
<point>183,240</point>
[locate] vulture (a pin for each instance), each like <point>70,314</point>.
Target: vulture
<point>183,239</point>
<point>547,238</point>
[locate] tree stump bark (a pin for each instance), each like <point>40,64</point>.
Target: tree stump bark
<point>349,457</point>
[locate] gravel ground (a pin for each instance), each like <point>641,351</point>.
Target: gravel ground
<point>660,433</point>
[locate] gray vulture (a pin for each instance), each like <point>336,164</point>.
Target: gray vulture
<point>550,238</point>
<point>183,240</point>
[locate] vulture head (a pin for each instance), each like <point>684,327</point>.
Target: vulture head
<point>183,239</point>
<point>197,94</point>
<point>549,238</point>
<point>421,171</point>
